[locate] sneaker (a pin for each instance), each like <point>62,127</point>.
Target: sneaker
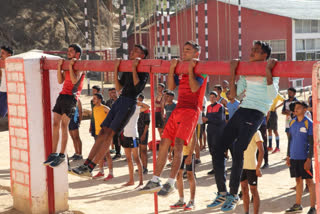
<point>218,201</point>
<point>312,210</point>
<point>166,190</point>
<point>82,171</point>
<point>77,157</point>
<point>295,209</point>
<point>231,203</point>
<point>51,158</point>
<point>266,165</point>
<point>178,205</point>
<point>276,150</point>
<point>269,149</point>
<point>117,156</point>
<point>197,161</point>
<point>99,175</point>
<point>211,172</point>
<point>57,161</point>
<point>109,177</point>
<point>145,171</point>
<point>151,187</point>
<point>73,156</point>
<point>190,206</point>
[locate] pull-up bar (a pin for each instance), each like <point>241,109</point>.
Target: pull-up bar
<point>282,69</point>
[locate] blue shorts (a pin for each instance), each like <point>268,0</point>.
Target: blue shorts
<point>74,125</point>
<point>3,104</point>
<point>120,113</point>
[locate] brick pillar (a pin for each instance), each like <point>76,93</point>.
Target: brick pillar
<point>29,179</point>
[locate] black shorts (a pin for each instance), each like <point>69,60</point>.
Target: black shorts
<point>129,142</point>
<point>159,120</point>
<point>65,104</point>
<point>297,169</point>
<point>273,121</point>
<point>145,142</point>
<point>120,113</point>
<point>227,116</point>
<point>190,167</point>
<point>74,125</point>
<point>250,175</point>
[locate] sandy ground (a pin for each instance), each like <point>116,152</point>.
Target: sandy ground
<point>97,196</point>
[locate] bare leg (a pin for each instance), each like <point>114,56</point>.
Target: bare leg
<point>177,158</point>
<point>299,190</point>
<point>245,195</point>
<point>130,166</point>
<point>192,183</point>
<point>180,183</point>
<point>137,160</point>
<point>56,131</point>
<point>109,162</point>
<point>64,130</point>
<point>144,155</point>
<point>76,141</point>
<point>204,134</point>
<point>312,192</point>
<point>197,150</point>
<point>256,199</point>
<point>162,156</point>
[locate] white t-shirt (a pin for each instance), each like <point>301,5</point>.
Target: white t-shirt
<point>249,156</point>
<point>3,85</point>
<point>131,129</point>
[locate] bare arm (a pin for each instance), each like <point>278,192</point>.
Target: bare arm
<point>106,109</point>
<point>232,86</point>
<point>60,74</point>
<point>117,84</point>
<point>143,106</point>
<point>74,75</point>
<point>80,109</point>
<point>270,66</point>
<point>194,84</point>
<point>260,158</point>
<point>135,76</point>
<point>171,82</point>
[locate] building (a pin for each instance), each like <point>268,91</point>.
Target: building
<point>291,27</point>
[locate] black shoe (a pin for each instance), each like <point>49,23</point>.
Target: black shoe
<point>211,172</point>
<point>82,171</point>
<point>57,161</point>
<point>50,159</point>
<point>312,210</point>
<point>145,171</point>
<point>240,195</point>
<point>78,157</point>
<point>73,156</point>
<point>117,156</point>
<point>197,161</point>
<point>166,190</point>
<point>266,165</point>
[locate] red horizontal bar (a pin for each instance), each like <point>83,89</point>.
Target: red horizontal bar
<point>65,52</point>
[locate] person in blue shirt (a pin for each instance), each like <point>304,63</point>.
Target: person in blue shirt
<point>299,155</point>
<point>260,92</point>
<point>232,105</point>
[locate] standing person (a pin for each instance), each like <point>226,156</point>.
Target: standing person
<point>188,163</point>
<point>232,105</point>
<point>131,83</point>
<point>6,52</point>
<point>225,89</point>
<point>222,100</point>
<point>263,132</point>
<point>143,127</point>
<point>199,131</point>
<point>216,120</point>
<point>272,122</point>
<point>183,120</point>
<point>286,111</point>
<point>299,156</point>
<point>260,92</point>
<point>159,102</point>
<point>74,125</point>
<point>66,104</point>
<point>95,89</point>
<point>130,143</point>
<point>170,105</point>
<point>250,173</point>
<point>100,112</point>
<point>310,105</point>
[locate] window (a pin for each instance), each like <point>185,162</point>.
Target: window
<point>278,49</point>
<point>307,49</point>
<point>296,83</point>
<point>175,51</point>
<point>307,26</point>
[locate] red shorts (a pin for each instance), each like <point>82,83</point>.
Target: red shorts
<point>181,124</point>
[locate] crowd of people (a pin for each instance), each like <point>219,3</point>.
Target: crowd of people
<point>238,123</point>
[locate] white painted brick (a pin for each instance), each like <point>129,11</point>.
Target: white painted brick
<point>13,110</point>
<point>20,88</point>
<point>14,66</point>
<point>13,141</point>
<point>12,87</point>
<point>21,77</point>
<point>24,156</point>
<point>22,100</point>
<point>13,98</point>
<point>13,174</point>
<point>20,133</point>
<point>8,77</point>
<point>14,76</point>
<point>20,177</point>
<point>11,131</point>
<point>26,179</point>
<point>21,111</point>
<point>15,154</point>
<point>20,190</point>
<point>22,143</point>
<point>20,166</point>
<point>24,123</point>
<point>16,122</point>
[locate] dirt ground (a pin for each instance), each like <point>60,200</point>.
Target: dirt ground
<point>97,196</point>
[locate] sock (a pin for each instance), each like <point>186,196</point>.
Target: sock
<point>277,141</point>
<point>181,199</point>
<point>91,166</point>
<point>155,179</point>
<point>171,181</point>
<point>87,162</point>
<point>270,141</point>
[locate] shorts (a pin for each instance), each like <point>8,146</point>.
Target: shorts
<point>227,116</point>
<point>159,120</point>
<point>297,169</point>
<point>181,124</point>
<point>145,142</point>
<point>120,113</point>
<point>250,175</point>
<point>190,167</point>
<point>74,125</point>
<point>273,121</point>
<point>287,129</point>
<point>129,142</point>
<point>65,104</point>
